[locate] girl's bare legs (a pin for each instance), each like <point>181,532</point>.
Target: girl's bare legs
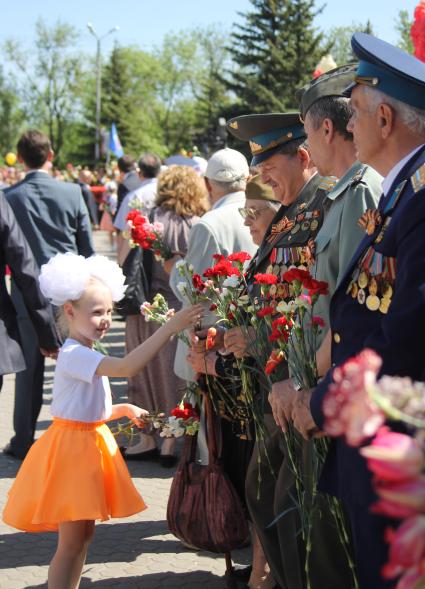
<point>67,564</point>
<point>261,577</point>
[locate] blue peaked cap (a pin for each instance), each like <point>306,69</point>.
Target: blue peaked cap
<point>266,133</point>
<point>388,69</point>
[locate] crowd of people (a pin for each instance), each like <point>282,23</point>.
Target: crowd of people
<point>334,191</point>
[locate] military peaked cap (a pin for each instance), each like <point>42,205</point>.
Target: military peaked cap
<point>389,69</point>
<point>332,83</point>
<point>266,133</point>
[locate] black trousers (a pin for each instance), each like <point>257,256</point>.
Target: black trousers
<point>28,383</point>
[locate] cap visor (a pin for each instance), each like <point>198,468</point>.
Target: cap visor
<point>347,91</point>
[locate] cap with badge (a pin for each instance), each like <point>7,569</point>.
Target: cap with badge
<point>266,133</point>
<point>332,83</point>
<point>256,190</point>
<point>388,69</point>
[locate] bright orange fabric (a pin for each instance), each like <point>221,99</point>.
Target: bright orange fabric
<point>74,471</point>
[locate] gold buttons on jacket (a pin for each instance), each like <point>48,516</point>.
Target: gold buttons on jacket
<point>337,338</point>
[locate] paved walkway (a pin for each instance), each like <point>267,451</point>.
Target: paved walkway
<point>136,552</point>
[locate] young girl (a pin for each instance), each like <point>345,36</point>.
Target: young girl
<point>74,474</point>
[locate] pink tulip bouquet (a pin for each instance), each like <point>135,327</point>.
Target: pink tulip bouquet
<point>356,406</point>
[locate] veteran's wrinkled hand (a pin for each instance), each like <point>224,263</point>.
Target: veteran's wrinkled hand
<point>301,415</point>
<point>281,399</point>
<point>238,340</point>
<point>201,362</point>
<point>198,340</point>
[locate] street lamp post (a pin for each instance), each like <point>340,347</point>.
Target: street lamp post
<point>98,84</point>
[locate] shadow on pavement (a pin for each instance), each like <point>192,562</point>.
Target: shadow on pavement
<point>169,580</point>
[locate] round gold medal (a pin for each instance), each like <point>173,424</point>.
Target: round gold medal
<point>273,290</point>
<point>361,296</point>
<point>354,290</point>
<point>295,229</point>
<point>362,280</point>
<point>373,302</point>
<point>276,270</point>
<point>269,269</point>
<point>314,225</point>
<point>305,226</point>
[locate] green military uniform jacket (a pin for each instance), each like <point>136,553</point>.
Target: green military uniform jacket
<point>358,190</point>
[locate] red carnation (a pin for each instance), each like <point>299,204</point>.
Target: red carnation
<point>213,307</point>
<point>218,257</point>
<point>239,257</point>
<point>266,311</point>
<point>274,360</point>
<point>265,279</point>
<point>296,274</point>
<point>315,287</point>
<point>197,282</point>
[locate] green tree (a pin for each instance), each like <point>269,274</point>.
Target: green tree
<point>275,50</point>
<point>11,114</point>
<point>403,25</point>
<point>339,39</point>
<point>49,80</point>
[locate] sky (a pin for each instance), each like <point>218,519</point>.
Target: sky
<point>145,22</point>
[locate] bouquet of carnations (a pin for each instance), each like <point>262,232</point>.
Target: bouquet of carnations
<point>288,330</point>
<point>159,312</point>
<point>223,289</point>
<point>356,406</point>
<point>183,420</point>
<point>287,308</point>
<point>147,235</point>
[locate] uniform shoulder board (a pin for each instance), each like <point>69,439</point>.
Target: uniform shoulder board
<point>328,183</point>
<point>418,178</point>
<point>358,176</point>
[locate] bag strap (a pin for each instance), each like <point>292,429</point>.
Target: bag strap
<point>211,431</point>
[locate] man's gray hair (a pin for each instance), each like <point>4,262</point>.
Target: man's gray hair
<point>228,187</point>
<point>412,117</point>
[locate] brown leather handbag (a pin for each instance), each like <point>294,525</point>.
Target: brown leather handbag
<point>204,509</point>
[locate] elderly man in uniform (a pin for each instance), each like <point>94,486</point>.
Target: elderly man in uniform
<point>277,142</point>
<point>380,301</point>
<point>326,112</point>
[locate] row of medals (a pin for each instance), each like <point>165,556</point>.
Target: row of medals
<point>357,289</point>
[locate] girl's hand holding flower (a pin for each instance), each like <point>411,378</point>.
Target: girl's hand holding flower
<point>185,318</point>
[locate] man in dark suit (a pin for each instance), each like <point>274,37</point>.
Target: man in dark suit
<point>54,218</point>
<point>83,182</point>
<point>388,126</point>
<point>129,177</point>
<point>16,253</point>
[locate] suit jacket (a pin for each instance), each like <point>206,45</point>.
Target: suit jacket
<point>130,183</point>
<point>90,202</point>
<point>219,231</point>
<point>52,215</point>
<point>16,253</point>
<point>395,330</point>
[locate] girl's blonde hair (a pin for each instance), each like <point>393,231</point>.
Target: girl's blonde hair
<point>182,191</point>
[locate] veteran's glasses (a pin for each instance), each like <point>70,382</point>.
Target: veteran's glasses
<point>249,213</point>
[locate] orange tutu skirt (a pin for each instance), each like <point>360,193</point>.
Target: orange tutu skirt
<point>74,471</point>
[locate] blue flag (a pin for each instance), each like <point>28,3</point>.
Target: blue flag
<point>114,142</point>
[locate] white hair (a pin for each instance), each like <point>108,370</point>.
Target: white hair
<point>412,117</point>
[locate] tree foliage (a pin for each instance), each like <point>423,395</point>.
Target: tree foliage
<point>49,79</point>
<point>275,50</point>
<point>339,39</point>
<point>403,26</point>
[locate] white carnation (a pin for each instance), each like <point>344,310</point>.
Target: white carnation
<point>231,282</point>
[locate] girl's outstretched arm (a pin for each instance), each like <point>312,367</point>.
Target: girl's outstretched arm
<point>137,359</point>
